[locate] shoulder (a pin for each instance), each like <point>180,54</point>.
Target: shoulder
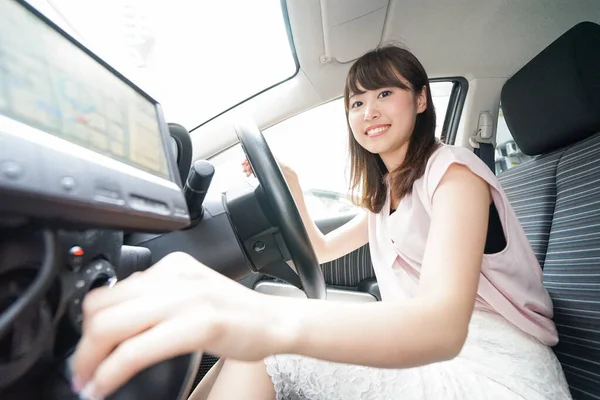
<point>447,156</point>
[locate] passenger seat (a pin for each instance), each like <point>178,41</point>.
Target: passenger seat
<point>552,108</point>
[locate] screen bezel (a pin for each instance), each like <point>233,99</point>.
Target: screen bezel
<point>162,125</point>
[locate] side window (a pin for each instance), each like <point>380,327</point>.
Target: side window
<point>508,154</point>
<point>315,144</point>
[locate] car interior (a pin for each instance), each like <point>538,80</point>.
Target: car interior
<point>121,146</point>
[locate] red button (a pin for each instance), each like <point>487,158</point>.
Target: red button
<point>75,258</point>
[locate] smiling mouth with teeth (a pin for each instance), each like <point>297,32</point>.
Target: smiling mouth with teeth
<point>377,131</point>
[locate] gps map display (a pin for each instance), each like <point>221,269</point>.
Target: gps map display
<point>49,83</point>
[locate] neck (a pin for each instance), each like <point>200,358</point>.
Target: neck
<point>394,158</point>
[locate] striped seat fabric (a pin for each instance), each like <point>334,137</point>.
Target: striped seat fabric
<point>557,199</point>
<point>552,108</point>
<point>572,267</point>
<point>531,189</point>
<point>349,270</point>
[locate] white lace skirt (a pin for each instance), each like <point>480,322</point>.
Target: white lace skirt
<point>498,361</point>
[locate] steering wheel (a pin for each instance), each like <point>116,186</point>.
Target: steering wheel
<point>283,208</point>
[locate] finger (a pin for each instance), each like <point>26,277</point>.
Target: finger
<point>110,327</point>
<point>142,351</point>
<point>181,267</point>
<point>173,266</point>
<point>125,290</point>
<point>135,275</point>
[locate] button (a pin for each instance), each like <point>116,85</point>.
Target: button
<point>75,258</point>
<point>259,247</point>
<point>11,169</point>
<point>149,205</point>
<point>106,195</point>
<point>67,183</point>
<point>108,192</point>
<point>76,251</point>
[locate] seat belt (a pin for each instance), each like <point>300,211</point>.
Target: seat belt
<point>487,154</point>
<point>483,141</point>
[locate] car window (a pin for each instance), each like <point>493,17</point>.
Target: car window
<point>314,144</point>
<point>508,154</point>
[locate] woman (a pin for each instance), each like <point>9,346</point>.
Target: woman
<point>462,317</point>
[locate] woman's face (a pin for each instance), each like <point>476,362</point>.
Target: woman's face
<point>383,120</point>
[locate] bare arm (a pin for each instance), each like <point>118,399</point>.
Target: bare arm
<point>335,244</point>
<point>132,325</point>
<point>428,328</point>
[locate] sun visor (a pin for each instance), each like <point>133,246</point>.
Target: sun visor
<point>352,27</point>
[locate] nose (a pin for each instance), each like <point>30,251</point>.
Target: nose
<point>371,111</point>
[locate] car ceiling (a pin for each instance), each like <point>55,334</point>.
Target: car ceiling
<point>473,39</point>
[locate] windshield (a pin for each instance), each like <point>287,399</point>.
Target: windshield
<point>196,58</point>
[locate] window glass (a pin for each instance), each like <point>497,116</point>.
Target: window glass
<point>197,58</point>
<point>508,154</point>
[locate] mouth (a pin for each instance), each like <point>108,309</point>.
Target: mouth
<point>377,130</point>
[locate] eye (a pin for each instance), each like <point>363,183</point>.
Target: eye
<point>357,104</point>
<point>385,93</point>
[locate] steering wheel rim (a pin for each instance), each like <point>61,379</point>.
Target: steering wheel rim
<point>283,207</point>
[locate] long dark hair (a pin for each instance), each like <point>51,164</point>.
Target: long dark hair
<point>375,70</point>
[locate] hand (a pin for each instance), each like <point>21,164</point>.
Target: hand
<point>176,307</point>
<point>247,168</point>
<point>288,173</point>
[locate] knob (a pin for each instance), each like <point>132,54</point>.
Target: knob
<point>96,274</point>
<point>196,186</point>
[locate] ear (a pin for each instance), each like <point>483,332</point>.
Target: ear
<point>422,100</point>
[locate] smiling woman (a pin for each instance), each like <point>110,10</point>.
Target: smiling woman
<point>163,48</point>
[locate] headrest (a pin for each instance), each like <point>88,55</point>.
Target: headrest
<point>554,100</point>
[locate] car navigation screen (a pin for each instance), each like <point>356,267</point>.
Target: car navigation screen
<point>51,84</point>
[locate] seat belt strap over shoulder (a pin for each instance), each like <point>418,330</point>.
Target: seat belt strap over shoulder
<point>483,141</point>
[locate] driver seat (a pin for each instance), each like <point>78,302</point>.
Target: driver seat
<point>552,108</point>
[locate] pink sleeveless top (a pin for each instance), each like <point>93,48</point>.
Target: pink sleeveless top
<point>510,283</point>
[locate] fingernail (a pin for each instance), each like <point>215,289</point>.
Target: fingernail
<point>89,393</point>
<point>76,384</point>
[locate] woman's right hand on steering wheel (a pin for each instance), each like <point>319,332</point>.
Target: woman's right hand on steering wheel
<point>288,173</point>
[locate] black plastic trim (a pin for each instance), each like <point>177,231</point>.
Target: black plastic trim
<point>455,106</point>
